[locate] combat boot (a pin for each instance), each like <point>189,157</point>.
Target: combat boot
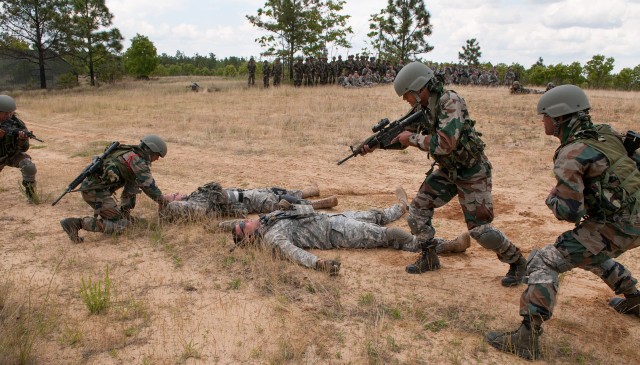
<point>71,226</point>
<point>457,245</point>
<point>516,272</point>
<point>30,190</point>
<point>522,342</point>
<point>401,195</point>
<point>428,260</point>
<point>310,191</point>
<point>630,304</point>
<point>329,202</point>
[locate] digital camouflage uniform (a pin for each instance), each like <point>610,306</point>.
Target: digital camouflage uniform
<point>590,193</point>
<point>291,232</point>
<point>463,171</point>
<point>13,151</point>
<point>212,199</point>
<point>129,168</point>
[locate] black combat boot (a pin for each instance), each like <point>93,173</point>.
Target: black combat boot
<point>630,304</point>
<point>30,190</point>
<point>522,342</point>
<point>72,226</point>
<point>428,260</point>
<point>516,272</point>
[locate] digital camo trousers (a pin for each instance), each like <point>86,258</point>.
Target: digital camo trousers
<point>474,195</point>
<point>568,252</point>
<point>22,161</point>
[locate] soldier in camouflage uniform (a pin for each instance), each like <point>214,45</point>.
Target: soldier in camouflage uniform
<point>213,200</point>
<point>308,71</point>
<point>298,72</point>
<point>292,231</point>
<point>449,137</point>
<point>14,143</point>
<point>251,67</point>
<point>277,72</point>
<point>516,88</point>
<point>598,189</point>
<point>266,74</point>
<point>509,77</point>
<point>127,167</point>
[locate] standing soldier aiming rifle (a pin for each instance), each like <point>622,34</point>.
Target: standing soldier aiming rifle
<point>14,143</point>
<point>449,137</point>
<point>123,166</point>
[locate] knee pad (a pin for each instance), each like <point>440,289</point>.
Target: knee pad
<point>544,266</point>
<point>28,169</point>
<point>115,226</point>
<point>488,237</point>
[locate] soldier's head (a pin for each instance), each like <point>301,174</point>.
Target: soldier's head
<point>245,231</point>
<point>562,105</point>
<point>550,85</point>
<point>339,57</point>
<point>7,107</point>
<point>415,83</point>
<point>154,145</point>
<point>515,84</point>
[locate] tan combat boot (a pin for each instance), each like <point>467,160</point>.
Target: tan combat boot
<point>329,202</point>
<point>402,198</point>
<point>457,245</point>
<point>310,191</point>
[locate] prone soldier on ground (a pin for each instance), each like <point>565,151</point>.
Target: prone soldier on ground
<point>516,88</point>
<point>212,200</point>
<point>447,133</point>
<point>598,189</point>
<point>14,144</point>
<point>127,167</point>
<point>292,231</point>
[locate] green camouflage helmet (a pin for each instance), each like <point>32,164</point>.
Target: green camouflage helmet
<point>155,144</point>
<point>7,104</point>
<point>412,77</point>
<point>563,100</point>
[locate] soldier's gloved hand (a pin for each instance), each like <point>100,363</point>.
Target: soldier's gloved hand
<point>22,135</point>
<point>330,266</point>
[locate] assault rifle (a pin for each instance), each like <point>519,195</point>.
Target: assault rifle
<point>93,167</point>
<point>385,131</point>
<point>13,131</point>
<point>631,142</point>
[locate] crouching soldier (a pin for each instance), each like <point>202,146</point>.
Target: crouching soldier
<point>129,168</point>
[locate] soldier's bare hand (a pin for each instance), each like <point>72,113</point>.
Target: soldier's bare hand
<point>22,135</point>
<point>404,138</point>
<point>366,149</point>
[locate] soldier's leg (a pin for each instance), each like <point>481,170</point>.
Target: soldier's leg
<point>474,195</point>
<point>436,191</point>
<point>107,217</point>
<point>28,170</point>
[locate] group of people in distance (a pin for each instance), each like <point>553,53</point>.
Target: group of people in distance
<point>597,189</point>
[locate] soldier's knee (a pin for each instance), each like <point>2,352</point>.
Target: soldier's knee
<point>544,266</point>
<point>115,226</point>
<point>487,236</point>
<point>28,168</point>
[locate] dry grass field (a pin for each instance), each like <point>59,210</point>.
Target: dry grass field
<point>178,296</point>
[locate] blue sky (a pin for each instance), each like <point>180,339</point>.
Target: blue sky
<point>507,31</point>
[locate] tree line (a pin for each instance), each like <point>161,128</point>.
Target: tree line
<point>80,32</point>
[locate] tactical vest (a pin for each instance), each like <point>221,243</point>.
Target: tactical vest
<point>9,143</point>
<point>469,149</point>
<point>297,211</point>
<point>618,189</point>
<point>113,170</point>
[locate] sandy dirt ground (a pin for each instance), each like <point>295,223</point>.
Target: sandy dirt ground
<point>179,296</point>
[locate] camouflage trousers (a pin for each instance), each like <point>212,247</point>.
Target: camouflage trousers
<point>23,162</point>
<point>380,217</point>
<point>251,80</point>
<point>112,217</point>
<point>473,189</point>
<point>569,252</point>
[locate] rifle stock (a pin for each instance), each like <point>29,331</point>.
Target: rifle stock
<point>95,164</point>
<point>386,132</point>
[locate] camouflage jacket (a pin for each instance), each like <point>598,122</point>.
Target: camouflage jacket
<point>11,144</point>
<point>451,138</point>
<point>587,186</point>
<point>129,167</point>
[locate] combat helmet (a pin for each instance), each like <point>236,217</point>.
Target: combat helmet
<point>412,77</point>
<point>155,144</point>
<point>7,104</point>
<point>563,100</point>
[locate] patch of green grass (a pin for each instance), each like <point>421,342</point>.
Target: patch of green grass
<point>234,284</point>
<point>366,299</point>
<point>436,326</point>
<point>96,295</point>
<point>93,149</point>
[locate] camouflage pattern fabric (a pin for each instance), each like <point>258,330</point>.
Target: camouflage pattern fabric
<point>298,73</point>
<point>596,239</point>
<point>290,237</point>
<point>13,151</point>
<point>277,73</point>
<point>129,169</point>
<point>251,67</point>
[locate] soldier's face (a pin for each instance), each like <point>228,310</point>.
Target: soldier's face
<point>245,230</point>
<point>5,116</point>
<point>548,125</point>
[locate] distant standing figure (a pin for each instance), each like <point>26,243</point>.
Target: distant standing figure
<point>266,73</point>
<point>251,66</point>
<point>277,72</point>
